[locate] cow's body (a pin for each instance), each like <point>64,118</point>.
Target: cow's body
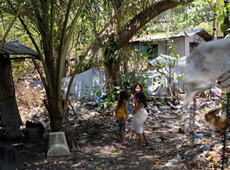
<point>207,65</point>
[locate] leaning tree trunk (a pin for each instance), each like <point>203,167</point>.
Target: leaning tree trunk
<point>226,18</point>
<point>215,24</point>
<point>112,65</point>
<point>112,73</point>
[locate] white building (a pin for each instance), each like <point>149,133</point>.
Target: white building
<point>182,43</point>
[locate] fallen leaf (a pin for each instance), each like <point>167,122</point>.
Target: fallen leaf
<point>216,157</point>
<point>158,162</point>
<point>115,154</point>
<point>83,141</point>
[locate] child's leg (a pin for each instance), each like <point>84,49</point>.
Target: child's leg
<point>145,137</point>
<point>133,133</point>
<point>122,132</point>
<point>139,141</point>
<point>122,138</point>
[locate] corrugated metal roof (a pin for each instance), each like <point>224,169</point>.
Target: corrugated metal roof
<point>201,32</point>
<point>17,48</point>
<point>9,114</point>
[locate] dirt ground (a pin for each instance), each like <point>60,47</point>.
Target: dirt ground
<point>172,145</point>
<point>100,148</point>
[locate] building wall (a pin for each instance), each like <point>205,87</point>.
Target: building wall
<point>178,44</point>
<point>196,38</point>
<point>181,44</point>
<point>162,48</point>
<point>186,46</point>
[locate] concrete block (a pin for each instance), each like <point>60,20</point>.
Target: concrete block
<point>57,145</point>
<point>9,158</point>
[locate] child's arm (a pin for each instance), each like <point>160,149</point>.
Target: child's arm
<point>132,99</point>
<point>136,108</point>
<point>126,108</point>
<point>132,103</point>
<point>116,112</point>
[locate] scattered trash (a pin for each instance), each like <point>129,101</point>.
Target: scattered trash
<point>164,108</point>
<point>198,135</point>
<point>167,129</point>
<point>167,117</point>
<point>78,119</point>
<point>32,113</point>
<point>92,114</point>
<point>45,125</point>
<point>158,140</point>
<point>179,145</point>
<point>134,163</point>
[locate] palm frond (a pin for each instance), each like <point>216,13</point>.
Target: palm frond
<point>11,24</point>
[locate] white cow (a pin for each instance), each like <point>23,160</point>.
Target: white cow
<point>208,65</point>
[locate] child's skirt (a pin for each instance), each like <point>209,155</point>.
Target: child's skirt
<point>137,123</point>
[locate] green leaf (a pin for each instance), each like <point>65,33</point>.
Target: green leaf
<point>220,18</point>
<point>222,27</point>
<point>215,9</point>
<point>115,153</point>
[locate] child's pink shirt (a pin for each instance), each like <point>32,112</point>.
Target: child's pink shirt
<point>132,97</point>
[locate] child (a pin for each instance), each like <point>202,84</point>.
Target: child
<point>137,89</point>
<point>122,114</point>
<point>139,117</point>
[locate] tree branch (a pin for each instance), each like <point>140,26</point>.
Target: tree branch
<point>135,24</point>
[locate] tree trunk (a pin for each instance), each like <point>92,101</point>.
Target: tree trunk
<point>60,124</point>
<point>112,64</point>
<point>170,82</point>
<point>215,25</point>
<point>226,18</point>
<point>112,73</point>
<point>67,71</point>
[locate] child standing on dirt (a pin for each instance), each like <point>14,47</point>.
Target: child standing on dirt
<point>122,114</point>
<point>139,117</point>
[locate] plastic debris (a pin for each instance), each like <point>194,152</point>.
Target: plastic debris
<point>198,135</point>
<point>167,117</point>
